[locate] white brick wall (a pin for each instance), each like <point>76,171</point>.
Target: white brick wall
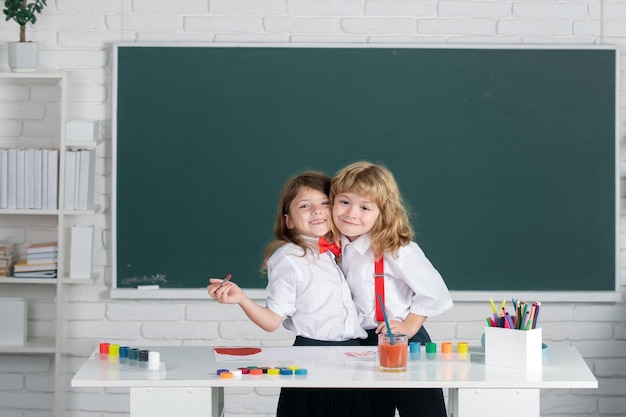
<point>76,35</point>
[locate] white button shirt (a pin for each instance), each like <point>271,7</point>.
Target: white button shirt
<point>412,284</point>
<point>312,293</point>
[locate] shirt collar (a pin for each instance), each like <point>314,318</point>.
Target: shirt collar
<point>309,239</point>
<point>311,242</point>
<point>361,244</point>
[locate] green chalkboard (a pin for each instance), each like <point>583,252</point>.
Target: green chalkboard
<point>507,157</point>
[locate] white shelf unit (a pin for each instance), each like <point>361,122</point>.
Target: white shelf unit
<point>42,120</point>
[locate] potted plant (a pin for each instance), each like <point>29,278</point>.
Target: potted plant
<point>23,55</point>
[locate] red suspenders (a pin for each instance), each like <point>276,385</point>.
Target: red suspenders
<point>379,287</point>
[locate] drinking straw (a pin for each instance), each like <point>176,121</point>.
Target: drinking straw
<point>382,307</point>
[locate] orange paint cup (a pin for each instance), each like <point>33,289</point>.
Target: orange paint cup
<point>392,357</point>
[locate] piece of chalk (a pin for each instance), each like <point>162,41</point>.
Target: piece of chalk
<point>147,287</point>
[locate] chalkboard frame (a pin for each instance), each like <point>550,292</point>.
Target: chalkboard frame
<point>565,295</point>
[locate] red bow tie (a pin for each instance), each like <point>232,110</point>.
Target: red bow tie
<point>325,246</point>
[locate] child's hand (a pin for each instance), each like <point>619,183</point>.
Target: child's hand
<point>397,327</point>
<point>228,293</point>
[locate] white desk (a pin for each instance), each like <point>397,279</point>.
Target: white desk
<point>187,383</point>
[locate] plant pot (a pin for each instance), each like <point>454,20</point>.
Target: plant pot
<point>23,56</point>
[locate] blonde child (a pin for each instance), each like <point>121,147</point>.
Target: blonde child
<point>376,238</point>
<point>307,293</point>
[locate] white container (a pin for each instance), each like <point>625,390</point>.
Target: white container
<point>23,56</point>
<point>81,251</point>
<point>512,348</point>
<point>82,130</point>
<point>12,322</point>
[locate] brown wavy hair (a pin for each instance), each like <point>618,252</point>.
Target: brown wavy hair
<point>282,235</point>
<point>392,229</point>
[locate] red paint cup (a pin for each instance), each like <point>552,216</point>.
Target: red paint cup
<point>392,357</point>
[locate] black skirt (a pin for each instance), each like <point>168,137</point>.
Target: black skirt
<point>325,402</point>
<point>410,402</point>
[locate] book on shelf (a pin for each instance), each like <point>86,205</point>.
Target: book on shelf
<point>23,266</point>
<point>42,261</point>
<point>6,258</point>
<point>37,178</point>
<point>42,247</point>
<point>79,178</point>
<point>37,256</point>
<point>36,274</point>
<point>51,257</point>
<point>6,270</point>
<point>20,189</point>
<point>70,179</point>
<point>53,179</point>
<point>44,178</point>
<point>42,255</point>
<point>29,178</point>
<point>12,178</point>
<point>4,178</point>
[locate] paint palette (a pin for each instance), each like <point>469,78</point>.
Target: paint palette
<point>262,370</point>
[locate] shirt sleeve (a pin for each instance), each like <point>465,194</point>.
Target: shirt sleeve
<point>430,293</point>
<point>282,275</point>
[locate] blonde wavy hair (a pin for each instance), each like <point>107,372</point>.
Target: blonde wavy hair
<point>392,229</point>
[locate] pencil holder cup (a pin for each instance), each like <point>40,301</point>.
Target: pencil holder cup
<point>512,348</point>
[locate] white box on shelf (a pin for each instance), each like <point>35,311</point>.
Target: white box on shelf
<point>81,251</point>
<point>13,321</point>
<point>512,348</point>
<point>82,130</point>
